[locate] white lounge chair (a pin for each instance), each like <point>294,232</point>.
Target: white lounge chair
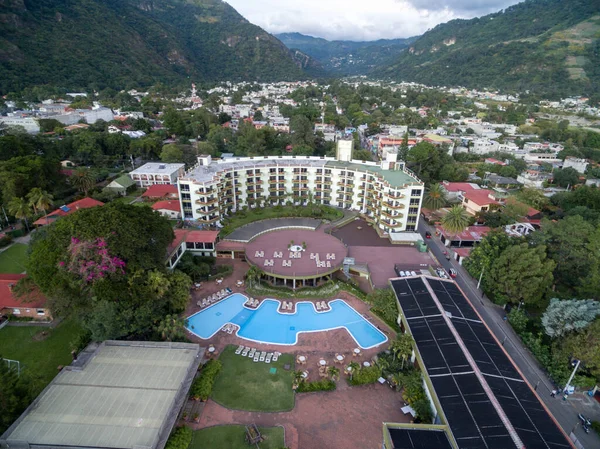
<point>268,358</point>
<point>256,357</point>
<point>239,349</point>
<point>262,356</point>
<point>318,305</point>
<point>275,357</point>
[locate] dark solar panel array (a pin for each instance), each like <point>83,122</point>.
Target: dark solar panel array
<point>533,424</point>
<point>470,413</point>
<point>471,416</point>
<point>452,299</point>
<point>414,298</point>
<point>419,439</point>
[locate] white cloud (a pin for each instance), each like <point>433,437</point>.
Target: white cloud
<point>360,19</point>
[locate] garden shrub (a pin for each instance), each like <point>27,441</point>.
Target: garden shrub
<point>596,426</point>
<point>319,385</point>
<point>366,375</point>
<point>180,438</point>
<point>203,384</point>
<point>5,241</point>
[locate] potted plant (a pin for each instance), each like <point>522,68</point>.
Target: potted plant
<point>185,416</point>
<point>196,417</point>
<point>303,245</point>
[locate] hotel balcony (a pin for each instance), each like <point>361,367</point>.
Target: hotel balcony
<point>394,206</point>
<point>396,195</point>
<point>391,214</point>
<point>276,188</point>
<point>207,201</point>
<point>255,182</point>
<point>208,219</point>
<point>389,224</point>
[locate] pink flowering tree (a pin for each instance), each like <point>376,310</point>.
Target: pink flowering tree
<point>90,260</point>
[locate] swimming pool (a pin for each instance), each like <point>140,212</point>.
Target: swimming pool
<point>267,325</point>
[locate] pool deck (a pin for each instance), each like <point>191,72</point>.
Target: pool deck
<point>313,345</point>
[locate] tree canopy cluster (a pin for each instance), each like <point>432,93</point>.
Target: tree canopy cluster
<point>130,301</point>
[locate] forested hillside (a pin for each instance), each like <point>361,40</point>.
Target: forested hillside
<point>551,47</point>
<point>121,43</point>
<point>347,57</point>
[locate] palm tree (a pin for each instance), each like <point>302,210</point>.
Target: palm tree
<point>353,367</point>
<point>333,372</point>
<point>40,199</point>
<point>435,197</point>
<point>298,377</point>
<point>253,275</point>
<point>403,347</point>
<point>19,208</point>
<point>456,220</point>
<point>83,179</point>
<point>171,327</point>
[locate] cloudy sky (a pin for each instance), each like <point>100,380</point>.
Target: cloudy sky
<point>360,19</point>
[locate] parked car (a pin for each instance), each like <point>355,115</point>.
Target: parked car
<point>428,235</point>
<point>452,272</point>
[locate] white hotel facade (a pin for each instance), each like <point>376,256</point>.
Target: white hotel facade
<point>385,193</point>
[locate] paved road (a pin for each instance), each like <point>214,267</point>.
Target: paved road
<point>565,412</point>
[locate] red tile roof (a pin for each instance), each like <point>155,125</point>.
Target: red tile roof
<point>179,237</point>
<point>167,205</point>
<point>33,300</point>
<point>160,191</point>
<point>202,236</point>
<point>480,197</point>
<point>471,234</point>
<point>459,186</point>
<point>84,203</point>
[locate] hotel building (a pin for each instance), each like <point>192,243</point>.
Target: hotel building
<point>385,193</point>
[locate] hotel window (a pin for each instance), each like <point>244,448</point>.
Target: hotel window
<point>414,202</point>
<point>186,196</point>
<point>413,210</point>
<point>410,227</point>
<point>185,187</point>
<point>415,192</point>
<point>41,312</point>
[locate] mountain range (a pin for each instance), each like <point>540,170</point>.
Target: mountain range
<point>546,47</point>
<point>78,44</point>
<point>346,58</point>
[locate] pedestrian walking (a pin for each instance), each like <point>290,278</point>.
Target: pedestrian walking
<point>553,394</point>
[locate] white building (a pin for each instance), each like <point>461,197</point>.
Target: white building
<point>30,124</point>
<point>484,146</point>
<point>386,193</point>
<point>580,165</point>
<point>157,173</point>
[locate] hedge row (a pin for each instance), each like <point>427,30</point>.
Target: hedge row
<point>181,438</point>
<point>203,384</point>
<point>318,385</point>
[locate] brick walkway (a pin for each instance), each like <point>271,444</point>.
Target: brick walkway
<point>350,417</point>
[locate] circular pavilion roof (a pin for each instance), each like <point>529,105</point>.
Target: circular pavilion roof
<point>270,252</point>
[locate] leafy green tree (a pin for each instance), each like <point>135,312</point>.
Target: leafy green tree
<point>15,394</point>
<point>435,198</point>
<point>180,438</point>
<point>585,346</point>
<point>456,220</point>
<point>564,316</point>
<point>111,306</point>
<point>565,177</point>
<point>302,131</point>
<point>521,273</point>
<point>334,372</point>
<point>253,275</point>
<point>384,302</point>
<point>171,153</point>
<point>533,197</point>
<point>515,210</point>
<point>567,242</point>
<point>402,346</point>
<point>171,328</point>
<point>83,180</point>
<point>517,319</point>
<point>173,121</point>
<point>428,161</point>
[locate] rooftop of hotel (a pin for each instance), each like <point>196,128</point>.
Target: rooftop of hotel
<point>157,167</point>
<point>207,173</point>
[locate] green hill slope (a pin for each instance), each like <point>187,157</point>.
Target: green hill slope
<point>120,43</point>
<point>550,47</point>
<point>346,57</point>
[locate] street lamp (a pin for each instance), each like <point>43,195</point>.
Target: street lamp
<point>575,363</point>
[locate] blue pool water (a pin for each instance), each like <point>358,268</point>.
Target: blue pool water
<point>267,325</point>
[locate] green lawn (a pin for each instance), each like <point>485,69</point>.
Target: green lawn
<point>247,385</point>
<point>12,260</point>
<point>245,217</point>
<point>38,354</point>
<point>233,437</point>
